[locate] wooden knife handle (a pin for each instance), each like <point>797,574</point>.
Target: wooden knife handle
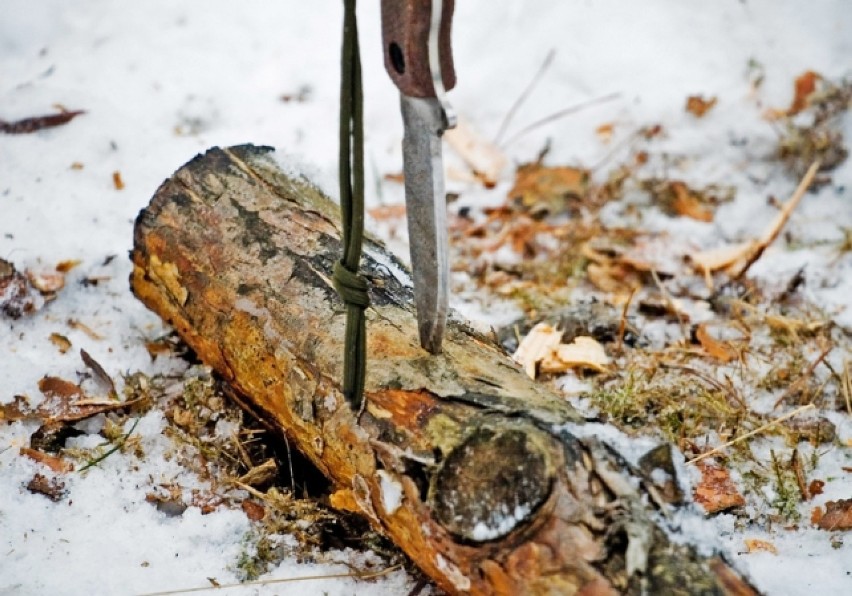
<point>405,35</point>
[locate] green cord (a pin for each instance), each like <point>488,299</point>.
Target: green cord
<point>352,286</point>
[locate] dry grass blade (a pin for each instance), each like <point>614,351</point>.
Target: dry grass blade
<point>548,60</point>
<point>560,114</point>
<point>847,387</point>
<point>780,220</point>
<point>284,580</point>
<point>805,376</point>
<point>756,431</point>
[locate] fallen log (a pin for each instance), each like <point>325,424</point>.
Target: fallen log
<point>486,479</point>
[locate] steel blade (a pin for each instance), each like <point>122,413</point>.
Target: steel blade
<point>426,207</point>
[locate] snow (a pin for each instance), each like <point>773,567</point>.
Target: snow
<point>162,81</point>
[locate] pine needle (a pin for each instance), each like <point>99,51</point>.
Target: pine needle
<point>756,431</point>
<point>266,582</point>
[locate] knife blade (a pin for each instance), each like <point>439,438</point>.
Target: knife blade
<point>418,60</point>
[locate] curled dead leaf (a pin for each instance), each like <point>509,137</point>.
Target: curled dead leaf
<point>755,545</point>
<point>697,105</point>
<point>720,350</point>
<point>61,342</point>
<point>583,353</point>
<point>546,189</point>
<point>47,283</point>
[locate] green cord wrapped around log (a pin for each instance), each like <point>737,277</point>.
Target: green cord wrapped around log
<point>485,478</point>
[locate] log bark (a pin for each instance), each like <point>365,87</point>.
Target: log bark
<point>486,479</point>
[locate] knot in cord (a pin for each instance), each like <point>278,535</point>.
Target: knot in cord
<point>351,286</point>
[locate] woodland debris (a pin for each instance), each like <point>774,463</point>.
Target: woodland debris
<point>56,464</point>
<point>716,491</point>
<point>737,259</point>
<point>837,516</point>
<point>676,198</point>
<point>718,349</point>
<point>17,295</point>
<point>52,488</point>
<point>28,125</point>
<point>698,106</point>
<point>61,342</point>
<point>755,545</point>
<point>540,189</point>
<point>542,350</point>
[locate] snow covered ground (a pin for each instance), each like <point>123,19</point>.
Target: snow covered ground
<point>161,81</point>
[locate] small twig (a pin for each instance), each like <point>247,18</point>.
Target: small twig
<point>810,370</point>
<point>524,94</point>
<point>115,448</point>
<point>670,301</point>
<point>786,210</point>
<point>561,113</point>
<point>266,582</point>
<point>758,430</point>
<point>798,470</point>
<point>290,466</point>
<point>622,324</point>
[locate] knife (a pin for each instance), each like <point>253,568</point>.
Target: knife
<point>418,59</point>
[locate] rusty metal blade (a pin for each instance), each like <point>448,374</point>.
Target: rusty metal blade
<point>426,206</point>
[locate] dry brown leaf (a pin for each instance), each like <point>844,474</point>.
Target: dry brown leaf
<point>61,342</point>
<point>815,487</point>
<point>805,85</point>
<point>155,348</point>
<point>253,510</point>
<point>19,409</point>
<point>77,165</point>
<point>698,106</point>
<point>117,181</point>
<point>837,516</point>
<point>483,157</point>
<point>28,125</point>
<point>100,374</point>
<point>716,492</point>
<point>720,350</point>
<point>687,204</point>
<point>67,265</point>
<point>605,132</point>
<point>52,488</point>
<point>55,463</point>
<point>754,545</point>
<point>583,353</point>
<point>541,188</point>
<point>66,402</point>
<point>386,212</point>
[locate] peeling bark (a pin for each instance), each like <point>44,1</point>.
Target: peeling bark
<point>474,470</point>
